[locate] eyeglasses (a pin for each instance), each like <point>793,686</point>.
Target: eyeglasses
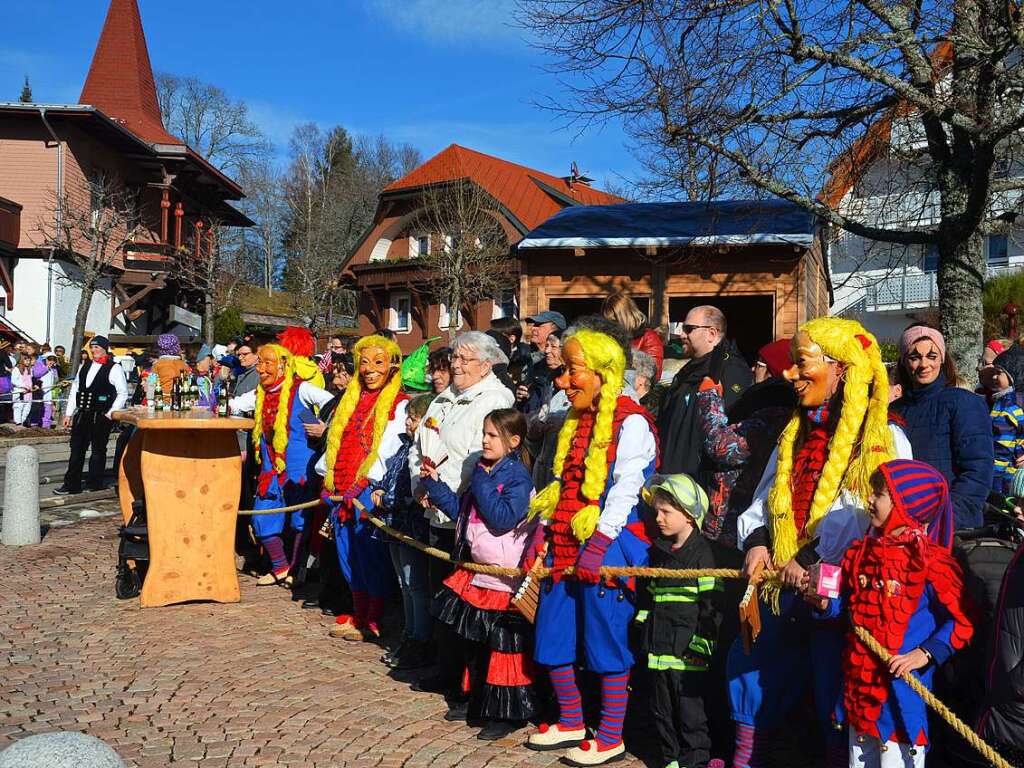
<point>688,329</point>
<point>459,358</point>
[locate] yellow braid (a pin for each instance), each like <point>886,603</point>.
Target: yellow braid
<point>347,405</point>
<point>605,357</point>
<point>280,438</point>
<point>861,442</point>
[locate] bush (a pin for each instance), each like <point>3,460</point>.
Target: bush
<point>998,291</point>
<point>889,351</point>
<point>228,325</point>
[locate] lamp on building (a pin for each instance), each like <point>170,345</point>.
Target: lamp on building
<point>1010,323</point>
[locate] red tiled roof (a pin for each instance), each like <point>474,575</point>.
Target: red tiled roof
<point>120,81</point>
<point>515,186</point>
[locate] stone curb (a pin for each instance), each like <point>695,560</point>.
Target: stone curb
<point>79,498</point>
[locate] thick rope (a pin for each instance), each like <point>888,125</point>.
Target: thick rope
<point>944,712</point>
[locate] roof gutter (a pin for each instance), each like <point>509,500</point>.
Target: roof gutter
<point>58,222</point>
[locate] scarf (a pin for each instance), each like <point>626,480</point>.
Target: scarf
<point>808,463</point>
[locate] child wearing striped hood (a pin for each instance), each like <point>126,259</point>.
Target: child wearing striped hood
<point>900,583</point>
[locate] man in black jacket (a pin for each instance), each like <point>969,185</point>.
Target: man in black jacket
<point>711,354</point>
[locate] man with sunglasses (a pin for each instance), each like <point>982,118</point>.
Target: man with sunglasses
<point>711,355</point>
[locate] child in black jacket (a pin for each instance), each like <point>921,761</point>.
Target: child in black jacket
<point>678,620</point>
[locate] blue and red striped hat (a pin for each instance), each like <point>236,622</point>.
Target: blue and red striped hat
<point>920,497</point>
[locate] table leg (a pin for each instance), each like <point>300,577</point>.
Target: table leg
<point>129,476</point>
<point>192,481</point>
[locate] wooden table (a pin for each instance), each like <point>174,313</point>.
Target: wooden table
<point>188,468</point>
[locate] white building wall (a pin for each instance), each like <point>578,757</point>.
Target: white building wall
<point>31,278</point>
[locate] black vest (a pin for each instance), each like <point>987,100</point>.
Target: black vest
<point>98,396</point>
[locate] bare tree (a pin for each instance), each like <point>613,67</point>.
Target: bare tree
<point>208,120</point>
<point>264,204</point>
<point>96,220</point>
<point>330,194</point>
<point>916,104</point>
<point>469,259</point>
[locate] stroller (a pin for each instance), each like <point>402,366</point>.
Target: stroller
<point>132,554</point>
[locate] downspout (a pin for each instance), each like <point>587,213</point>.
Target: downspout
<point>59,223</point>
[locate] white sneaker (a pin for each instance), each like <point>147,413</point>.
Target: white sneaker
<point>587,754</point>
<point>551,737</point>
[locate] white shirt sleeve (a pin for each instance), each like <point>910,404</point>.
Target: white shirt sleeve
<point>756,515</point>
<point>390,442</point>
<point>901,445</point>
<point>73,395</point>
<point>120,382</point>
<point>311,395</point>
<point>636,452</point>
<point>244,403</point>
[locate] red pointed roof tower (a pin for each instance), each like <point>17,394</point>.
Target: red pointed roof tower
<point>120,80</point>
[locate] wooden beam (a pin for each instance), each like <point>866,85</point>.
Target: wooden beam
<point>8,283</point>
<point>133,300</point>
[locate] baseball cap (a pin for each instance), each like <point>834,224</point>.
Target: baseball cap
<point>684,491</point>
<point>549,316</point>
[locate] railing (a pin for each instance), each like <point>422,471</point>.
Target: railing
<point>10,223</point>
<point>149,252</point>
<point>913,290</point>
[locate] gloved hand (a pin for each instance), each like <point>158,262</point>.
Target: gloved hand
<point>534,547</point>
<point>588,566</point>
<point>353,493</point>
<point>708,384</point>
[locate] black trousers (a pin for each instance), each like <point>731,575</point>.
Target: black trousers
<point>451,650</point>
<point>677,709</point>
<point>88,431</point>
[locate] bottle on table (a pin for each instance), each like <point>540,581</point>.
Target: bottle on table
<point>222,402</point>
<point>176,395</point>
<point>158,395</point>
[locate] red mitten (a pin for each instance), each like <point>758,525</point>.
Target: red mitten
<point>708,384</point>
<point>534,547</point>
<point>588,566</point>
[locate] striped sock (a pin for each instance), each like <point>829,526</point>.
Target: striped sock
<point>570,705</point>
<point>275,551</point>
<point>614,696</point>
<point>744,746</point>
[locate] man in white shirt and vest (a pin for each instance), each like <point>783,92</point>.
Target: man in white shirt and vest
<point>98,389</point>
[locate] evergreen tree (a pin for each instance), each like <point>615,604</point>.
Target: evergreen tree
<point>26,92</point>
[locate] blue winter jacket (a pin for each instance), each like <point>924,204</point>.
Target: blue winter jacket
<point>950,429</point>
<point>502,509</point>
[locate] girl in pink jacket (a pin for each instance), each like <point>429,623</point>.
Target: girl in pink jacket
<point>491,528</point>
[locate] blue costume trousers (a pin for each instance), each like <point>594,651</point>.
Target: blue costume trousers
<point>365,561</point>
<point>793,653</point>
<point>278,496</point>
<point>570,612</point>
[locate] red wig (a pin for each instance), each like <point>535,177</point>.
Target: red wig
<point>298,341</point>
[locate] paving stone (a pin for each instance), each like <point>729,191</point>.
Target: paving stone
<point>257,683</point>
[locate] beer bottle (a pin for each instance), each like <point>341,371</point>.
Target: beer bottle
<point>195,393</point>
<point>186,393</point>
<point>158,395</point>
<point>176,395</point>
<point>222,402</point>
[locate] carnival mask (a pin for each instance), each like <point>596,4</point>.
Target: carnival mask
<point>814,375</point>
<point>270,367</point>
<point>581,383</point>
<point>374,366</point>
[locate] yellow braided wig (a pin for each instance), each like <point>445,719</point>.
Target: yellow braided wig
<point>603,355</point>
<point>347,405</point>
<point>280,435</point>
<point>861,442</point>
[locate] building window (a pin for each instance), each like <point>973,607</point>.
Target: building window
<point>998,251</point>
<point>451,243</point>
<point>505,305</point>
<point>1001,168</point>
<point>419,245</point>
<point>444,319</point>
<point>400,312</point>
<point>931,259</point>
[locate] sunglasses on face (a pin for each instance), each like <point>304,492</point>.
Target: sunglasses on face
<point>688,329</point>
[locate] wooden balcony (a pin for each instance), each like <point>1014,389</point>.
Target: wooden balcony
<point>149,256</point>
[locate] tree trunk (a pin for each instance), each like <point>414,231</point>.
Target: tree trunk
<point>961,279</point>
<point>455,299</point>
<point>208,318</point>
<point>81,315</point>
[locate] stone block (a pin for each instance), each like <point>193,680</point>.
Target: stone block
<point>59,750</point>
<point>21,497</point>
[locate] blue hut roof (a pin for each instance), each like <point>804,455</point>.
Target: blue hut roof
<point>723,222</point>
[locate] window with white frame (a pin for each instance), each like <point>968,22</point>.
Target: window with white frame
<point>444,318</point>
<point>400,311</point>
<point>505,305</point>
<point>998,250</point>
<point>419,245</point>
<point>451,243</point>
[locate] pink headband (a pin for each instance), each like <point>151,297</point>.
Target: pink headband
<point>918,332</point>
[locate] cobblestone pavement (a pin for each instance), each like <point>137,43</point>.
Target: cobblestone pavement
<point>257,683</point>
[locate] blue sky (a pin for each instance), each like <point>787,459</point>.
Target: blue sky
<point>427,72</point>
